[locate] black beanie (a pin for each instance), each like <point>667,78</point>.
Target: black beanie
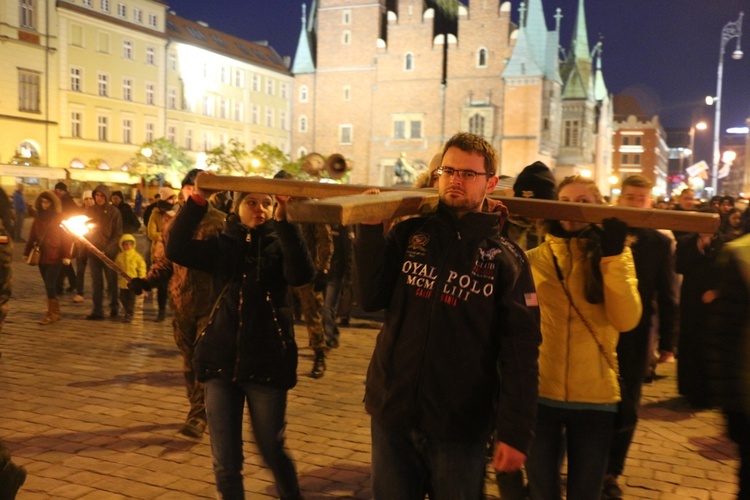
<point>61,186</point>
<point>189,179</point>
<point>536,181</point>
<point>283,174</point>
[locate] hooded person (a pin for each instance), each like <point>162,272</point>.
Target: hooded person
<point>54,246</point>
<point>535,181</point>
<point>105,233</point>
<point>130,261</point>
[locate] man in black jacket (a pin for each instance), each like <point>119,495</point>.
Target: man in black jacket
<point>456,358</point>
<point>105,235</point>
<point>654,267</point>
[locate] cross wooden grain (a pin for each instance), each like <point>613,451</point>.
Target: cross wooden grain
<point>345,204</point>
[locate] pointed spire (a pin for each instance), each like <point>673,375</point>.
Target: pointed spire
<point>521,62</point>
<point>600,89</point>
<point>579,46</point>
<point>303,59</point>
<point>522,15</point>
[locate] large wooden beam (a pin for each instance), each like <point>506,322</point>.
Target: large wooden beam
<point>345,204</point>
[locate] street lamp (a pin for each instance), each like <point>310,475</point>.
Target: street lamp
<point>729,31</point>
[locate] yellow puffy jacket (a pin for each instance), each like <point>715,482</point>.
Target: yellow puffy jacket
<point>571,367</point>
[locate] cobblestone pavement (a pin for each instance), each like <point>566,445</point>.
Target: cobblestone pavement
<point>92,410</point>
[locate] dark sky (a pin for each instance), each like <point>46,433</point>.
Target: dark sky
<point>664,51</point>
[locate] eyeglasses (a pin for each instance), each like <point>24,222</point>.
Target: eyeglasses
<point>463,174</point>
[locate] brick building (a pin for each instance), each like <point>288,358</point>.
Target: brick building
<point>381,80</point>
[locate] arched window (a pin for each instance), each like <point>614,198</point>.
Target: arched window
<point>476,125</point>
<point>301,152</point>
<point>482,58</point>
<point>303,94</point>
<point>303,123</point>
<point>27,153</point>
<point>408,61</point>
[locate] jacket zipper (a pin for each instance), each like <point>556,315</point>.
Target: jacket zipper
<point>429,329</point>
<point>239,312</point>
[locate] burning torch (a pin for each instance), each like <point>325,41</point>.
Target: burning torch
<point>77,227</point>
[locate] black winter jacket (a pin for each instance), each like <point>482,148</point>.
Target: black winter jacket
<point>250,336</point>
<point>460,341</point>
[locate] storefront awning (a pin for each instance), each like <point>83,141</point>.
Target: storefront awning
<point>30,171</point>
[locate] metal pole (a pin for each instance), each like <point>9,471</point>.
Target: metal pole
<point>728,32</point>
<point>717,123</point>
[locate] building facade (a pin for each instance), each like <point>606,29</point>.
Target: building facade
<point>88,81</point>
<point>378,81</point>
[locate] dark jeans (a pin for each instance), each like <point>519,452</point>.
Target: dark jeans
<point>186,327</point>
<point>738,429</point>
<point>162,294</point>
<point>330,309</point>
<point>20,218</point>
<point>633,358</point>
<point>406,464</point>
<point>127,299</point>
<point>81,263</point>
<point>50,273</point>
<point>67,271</point>
<point>586,434</point>
<point>225,402</point>
<point>100,272</point>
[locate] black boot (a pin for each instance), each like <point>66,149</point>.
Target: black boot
<point>12,477</point>
<point>319,365</point>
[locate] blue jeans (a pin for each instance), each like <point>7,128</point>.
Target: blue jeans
<point>225,402</point>
<point>586,435</point>
<point>407,464</point>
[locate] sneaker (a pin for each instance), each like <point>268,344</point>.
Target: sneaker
<point>666,357</point>
<point>95,317</point>
<point>12,477</point>
<point>332,343</point>
<point>78,299</point>
<point>611,490</point>
<point>194,428</point>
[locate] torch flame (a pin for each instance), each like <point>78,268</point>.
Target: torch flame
<point>76,225</point>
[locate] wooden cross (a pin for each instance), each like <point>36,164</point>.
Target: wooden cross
<point>345,204</point>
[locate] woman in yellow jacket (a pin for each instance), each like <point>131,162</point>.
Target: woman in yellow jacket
<point>578,388</point>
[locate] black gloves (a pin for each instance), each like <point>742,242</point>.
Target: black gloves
<point>613,236</point>
<point>139,285</point>
<point>320,281</point>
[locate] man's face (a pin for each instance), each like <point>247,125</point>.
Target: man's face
<point>116,200</point>
<point>59,193</point>
<point>635,197</point>
<point>99,198</point>
<point>687,200</point>
<point>460,194</point>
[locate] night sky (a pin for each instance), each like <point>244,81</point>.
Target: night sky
<point>664,51</point>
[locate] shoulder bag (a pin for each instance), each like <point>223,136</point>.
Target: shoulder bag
<point>627,408</point>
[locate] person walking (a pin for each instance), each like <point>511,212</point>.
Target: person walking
<point>105,235</point>
<point>654,268</point>
<point>585,278</point>
<point>456,358</point>
<point>80,251</point>
<point>55,248</point>
<point>247,352</point>
<point>20,209</point>
<point>190,293</point>
<point>130,222</point>
<point>164,211</point>
<point>69,208</point>
<point>130,261</point>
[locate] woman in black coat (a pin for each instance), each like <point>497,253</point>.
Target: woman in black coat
<point>247,351</point>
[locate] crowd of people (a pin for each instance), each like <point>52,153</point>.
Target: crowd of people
<point>550,328</point>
